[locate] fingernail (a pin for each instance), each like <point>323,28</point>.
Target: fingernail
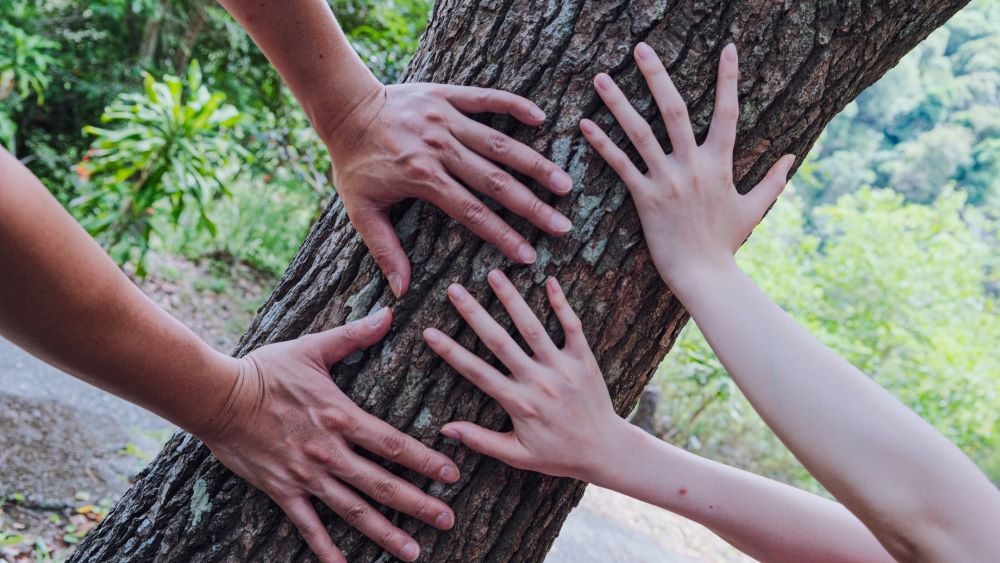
<point>456,291</point>
<point>603,81</point>
<point>560,223</point>
<point>443,521</point>
<point>432,336</point>
<point>644,51</point>
<point>395,284</point>
<point>552,283</point>
<point>377,317</point>
<point>526,254</point>
<point>410,551</point>
<point>448,474</point>
<point>729,52</point>
<point>495,277</point>
<point>537,113</point>
<point>587,126</point>
<point>449,432</point>
<point>560,181</point>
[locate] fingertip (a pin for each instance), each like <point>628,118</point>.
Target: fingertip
<point>587,126</point>
<point>449,473</point>
<point>603,81</point>
<point>496,278</point>
<point>456,292</point>
<point>451,431</point>
<point>729,53</point>
<point>432,335</point>
<point>536,114</point>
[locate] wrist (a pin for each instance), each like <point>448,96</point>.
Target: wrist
<point>620,442</point>
<point>341,124</point>
<point>691,279</point>
<point>208,413</point>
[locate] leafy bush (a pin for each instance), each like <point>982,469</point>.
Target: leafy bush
<point>170,149</point>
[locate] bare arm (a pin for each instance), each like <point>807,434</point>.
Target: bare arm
<point>921,497</point>
<point>564,424</point>
<point>390,143</point>
<point>274,417</point>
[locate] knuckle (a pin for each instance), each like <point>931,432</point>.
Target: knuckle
<point>533,332</point>
<point>435,141</point>
<point>499,144</point>
<point>435,116</point>
<point>423,507</point>
<point>299,472</point>
<point>393,446</point>
<point>524,408</point>
<point>677,112</point>
<point>308,528</point>
<point>385,491</point>
<point>357,514</point>
<point>537,208</point>
<point>549,390</point>
<point>474,212</point>
<point>619,162</point>
<point>420,170</point>
<point>499,182</point>
<point>352,333</point>
<point>386,536</point>
<point>728,111</point>
<point>574,325</point>
<point>642,134</point>
<point>334,419</point>
<point>428,464</point>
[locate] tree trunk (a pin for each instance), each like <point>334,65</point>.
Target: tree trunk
<point>801,63</point>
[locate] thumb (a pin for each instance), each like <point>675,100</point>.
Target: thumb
<point>338,343</point>
<point>763,195</point>
<point>379,236</point>
<point>501,445</point>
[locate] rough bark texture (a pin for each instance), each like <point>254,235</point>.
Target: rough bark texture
<point>801,62</point>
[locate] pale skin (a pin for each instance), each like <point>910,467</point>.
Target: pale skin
<point>905,491</point>
<point>387,143</point>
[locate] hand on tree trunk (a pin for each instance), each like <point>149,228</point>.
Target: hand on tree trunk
<point>416,141</point>
<point>291,432</point>
<point>687,202</point>
<point>560,407</point>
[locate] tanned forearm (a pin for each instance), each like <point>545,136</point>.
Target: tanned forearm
<point>63,300</point>
<point>304,42</point>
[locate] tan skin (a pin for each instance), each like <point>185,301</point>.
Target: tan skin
<point>905,491</point>
<point>391,143</point>
<point>66,302</point>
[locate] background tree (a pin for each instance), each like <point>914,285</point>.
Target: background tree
<point>802,62</point>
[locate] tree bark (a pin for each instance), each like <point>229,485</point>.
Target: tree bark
<point>801,62</point>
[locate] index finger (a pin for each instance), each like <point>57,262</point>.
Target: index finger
<point>472,99</point>
<point>382,439</point>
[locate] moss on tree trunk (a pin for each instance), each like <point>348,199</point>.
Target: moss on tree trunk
<point>801,62</point>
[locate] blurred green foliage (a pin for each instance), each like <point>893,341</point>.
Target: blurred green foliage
<point>887,250</point>
<point>168,147</point>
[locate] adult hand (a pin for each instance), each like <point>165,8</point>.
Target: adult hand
<point>563,419</point>
<point>289,431</point>
<point>690,210</point>
<point>416,141</point>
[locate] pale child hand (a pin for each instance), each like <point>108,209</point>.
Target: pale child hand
<point>691,213</point>
<point>557,399</point>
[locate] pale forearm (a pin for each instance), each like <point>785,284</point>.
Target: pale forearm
<point>304,42</point>
<point>62,299</point>
<point>886,464</point>
<point>765,519</point>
